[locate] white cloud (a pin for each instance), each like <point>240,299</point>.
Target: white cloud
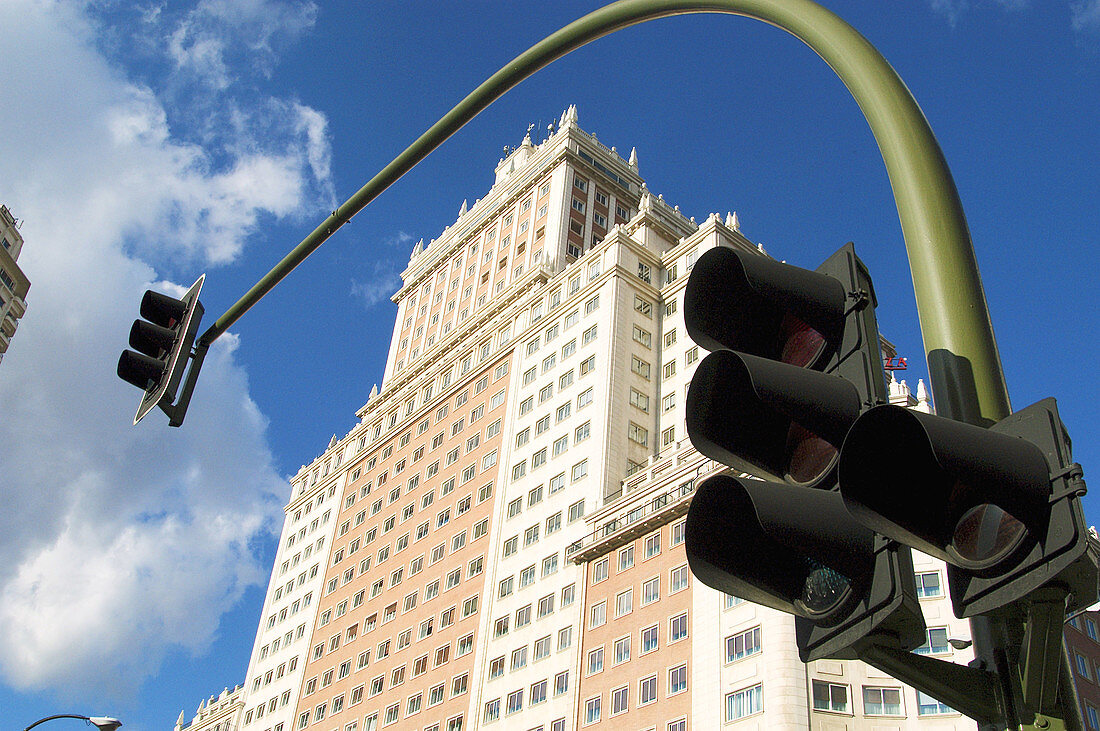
<point>383,281</point>
<point>1085,16</point>
<point>114,537</point>
<point>398,239</point>
<point>203,39</point>
<point>952,10</point>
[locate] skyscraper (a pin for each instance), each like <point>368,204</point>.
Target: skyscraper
<point>498,541</point>
<point>14,284</point>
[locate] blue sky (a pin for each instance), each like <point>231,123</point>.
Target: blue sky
<point>147,142</point>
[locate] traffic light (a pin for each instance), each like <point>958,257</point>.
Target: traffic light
<point>1000,505</point>
<point>799,551</point>
<point>797,359</point>
<point>162,341</point>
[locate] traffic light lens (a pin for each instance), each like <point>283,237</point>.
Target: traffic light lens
<point>808,455</point>
<point>984,536</point>
<point>823,589</point>
<point>802,345</point>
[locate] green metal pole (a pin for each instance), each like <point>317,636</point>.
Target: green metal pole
<point>958,336</point>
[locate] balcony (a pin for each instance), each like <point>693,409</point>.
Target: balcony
<point>655,511</point>
<point>8,325</point>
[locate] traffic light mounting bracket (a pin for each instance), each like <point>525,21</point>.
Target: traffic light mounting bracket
<point>970,690</point>
<point>974,690</point>
<point>1041,653</point>
<point>178,410</point>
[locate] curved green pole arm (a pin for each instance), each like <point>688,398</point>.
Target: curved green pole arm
<point>958,335</point>
<point>50,718</point>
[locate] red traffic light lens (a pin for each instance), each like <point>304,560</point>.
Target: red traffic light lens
<point>802,345</point>
<point>985,536</point>
<point>808,455</point>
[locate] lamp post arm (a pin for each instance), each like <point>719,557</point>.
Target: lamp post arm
<point>50,718</point>
<point>958,337</point>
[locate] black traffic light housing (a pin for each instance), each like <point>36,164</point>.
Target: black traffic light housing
<point>162,344</point>
<point>799,551</point>
<point>1000,505</point>
<point>797,359</point>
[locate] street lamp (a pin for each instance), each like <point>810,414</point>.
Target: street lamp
<point>103,723</point>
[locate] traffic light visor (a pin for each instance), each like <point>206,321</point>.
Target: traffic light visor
<point>747,302</point>
<point>767,418</point>
<point>973,497</point>
<point>788,548</point>
<point>161,309</point>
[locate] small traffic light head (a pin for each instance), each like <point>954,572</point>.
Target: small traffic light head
<point>162,348</point>
<point>769,418</point>
<point>743,301</point>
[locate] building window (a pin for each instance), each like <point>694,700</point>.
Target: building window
<point>597,615</point>
<point>677,680</point>
<point>599,570</point>
<point>882,701</point>
<point>678,627</point>
<point>1092,717</point>
<point>649,639</point>
<point>830,697</point>
<point>743,644</point>
<point>622,650</point>
<point>677,533</point>
<point>936,644</point>
<point>624,603</point>
<point>561,683</point>
<point>592,709</point>
<point>647,690</point>
<point>741,703</point>
<point>1082,666</point>
<point>565,638</point>
<point>929,706</point>
<point>679,579</point>
<point>668,436</point>
<point>928,585</point>
<point>620,700</point>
